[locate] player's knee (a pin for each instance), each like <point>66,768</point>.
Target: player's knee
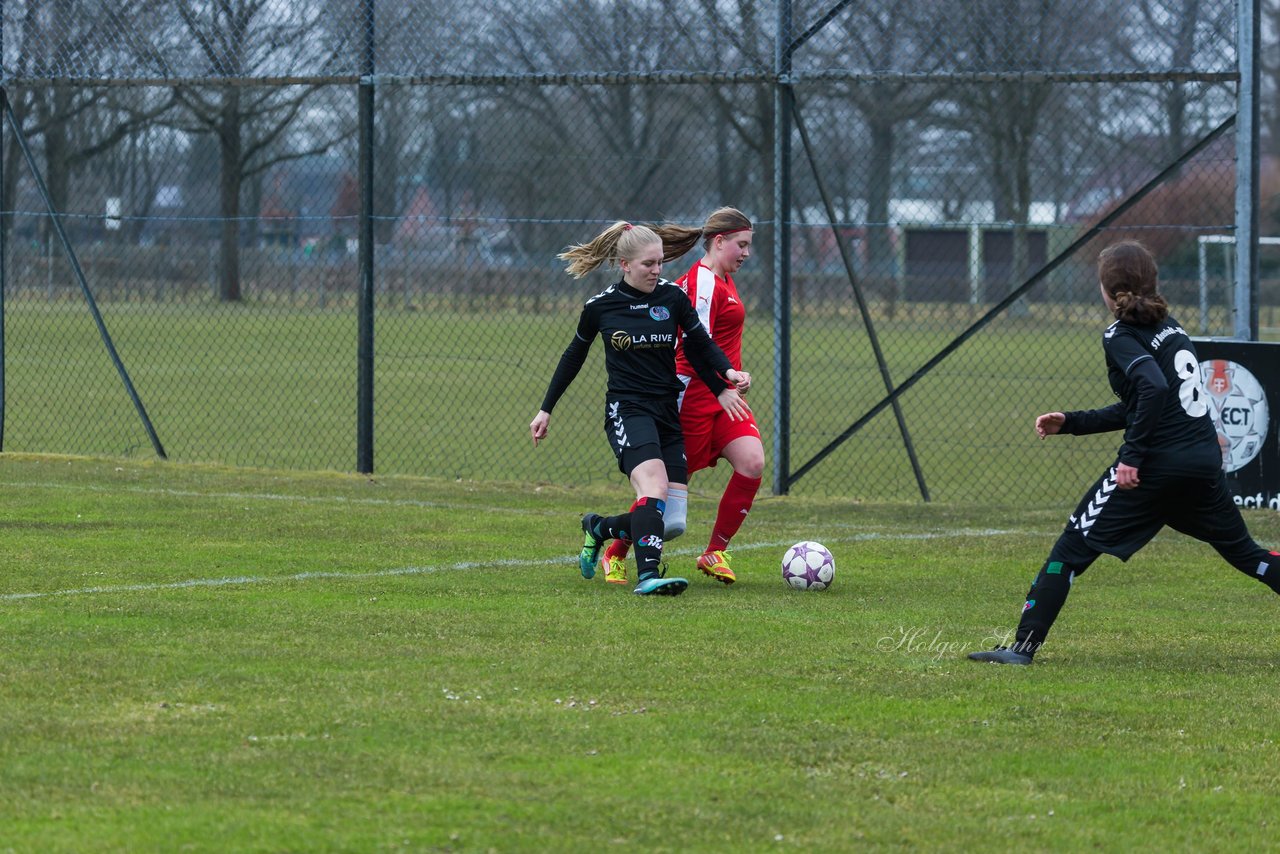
<point>752,467</point>
<point>1072,550</point>
<point>746,457</point>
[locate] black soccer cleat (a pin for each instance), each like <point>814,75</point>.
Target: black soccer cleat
<point>1001,655</point>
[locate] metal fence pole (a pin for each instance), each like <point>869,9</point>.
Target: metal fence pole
<point>1245,311</point>
<point>4,280</point>
<point>4,353</point>
<point>364,357</point>
<point>56,219</point>
<point>783,97</point>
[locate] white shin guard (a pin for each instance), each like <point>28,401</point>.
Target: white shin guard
<point>675,516</point>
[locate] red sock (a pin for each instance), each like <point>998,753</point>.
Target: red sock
<point>619,548</point>
<point>734,504</point>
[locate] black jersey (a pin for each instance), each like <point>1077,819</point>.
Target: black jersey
<point>640,331</point>
<point>1155,372</point>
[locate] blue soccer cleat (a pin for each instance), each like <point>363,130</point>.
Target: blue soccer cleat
<point>656,586</point>
<point>592,543</point>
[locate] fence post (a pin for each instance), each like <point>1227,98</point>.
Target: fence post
<point>782,106</point>
<point>364,356</point>
<point>1245,313</point>
<point>4,277</point>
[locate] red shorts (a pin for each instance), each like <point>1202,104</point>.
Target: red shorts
<point>707,427</point>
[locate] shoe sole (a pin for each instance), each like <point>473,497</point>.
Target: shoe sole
<point>726,576</point>
<point>670,587</point>
<point>987,658</point>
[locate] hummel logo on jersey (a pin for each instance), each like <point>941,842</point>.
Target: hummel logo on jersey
<point>732,300</point>
<point>605,292</point>
<point>1094,508</point>
<point>640,306</point>
<point>619,428</point>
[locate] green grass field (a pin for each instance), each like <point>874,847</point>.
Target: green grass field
<point>212,659</point>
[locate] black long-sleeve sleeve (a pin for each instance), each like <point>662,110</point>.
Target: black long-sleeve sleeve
<point>571,361</point>
<point>1151,388</point>
<point>1139,418</point>
<point>1084,422</point>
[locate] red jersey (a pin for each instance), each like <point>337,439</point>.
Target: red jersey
<point>721,311</point>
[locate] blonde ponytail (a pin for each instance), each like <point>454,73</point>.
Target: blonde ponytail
<point>620,241</point>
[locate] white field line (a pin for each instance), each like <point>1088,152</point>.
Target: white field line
<point>512,563</point>
<point>369,502</point>
<point>269,496</point>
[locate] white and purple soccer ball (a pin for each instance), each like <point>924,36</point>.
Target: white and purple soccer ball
<point>808,566</point>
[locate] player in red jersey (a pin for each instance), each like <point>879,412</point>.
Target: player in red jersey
<point>726,239</point>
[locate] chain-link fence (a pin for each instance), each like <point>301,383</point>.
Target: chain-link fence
<point>321,234</point>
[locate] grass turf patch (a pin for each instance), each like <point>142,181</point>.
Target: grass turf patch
<point>220,659</point>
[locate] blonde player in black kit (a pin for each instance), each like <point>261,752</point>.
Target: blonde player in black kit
<point>1169,469</point>
<point>639,319</point>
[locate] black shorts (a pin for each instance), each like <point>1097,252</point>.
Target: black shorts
<point>1118,521</point>
<point>643,430</point>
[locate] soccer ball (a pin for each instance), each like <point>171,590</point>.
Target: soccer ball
<point>808,566</point>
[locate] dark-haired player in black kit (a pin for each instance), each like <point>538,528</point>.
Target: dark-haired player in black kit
<point>640,320</point>
<point>1169,469</point>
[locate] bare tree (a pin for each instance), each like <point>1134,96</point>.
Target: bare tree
<point>1018,38</point>
<point>241,39</point>
<point>886,38</point>
<point>1179,35</point>
<point>73,125</point>
<point>714,36</point>
<point>1270,93</point>
<point>628,127</point>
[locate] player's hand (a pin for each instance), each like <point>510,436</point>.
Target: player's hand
<point>1126,476</point>
<point>538,426</point>
<point>1050,423</point>
<point>734,404</point>
<point>740,379</point>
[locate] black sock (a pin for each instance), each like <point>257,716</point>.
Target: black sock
<point>614,527</point>
<point>1045,599</point>
<point>646,531</point>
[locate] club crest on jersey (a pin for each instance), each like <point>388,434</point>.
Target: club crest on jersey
<point>659,312</point>
<point>620,340</point>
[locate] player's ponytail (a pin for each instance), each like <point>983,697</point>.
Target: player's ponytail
<point>620,241</point>
<point>679,239</point>
<point>1129,275</point>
